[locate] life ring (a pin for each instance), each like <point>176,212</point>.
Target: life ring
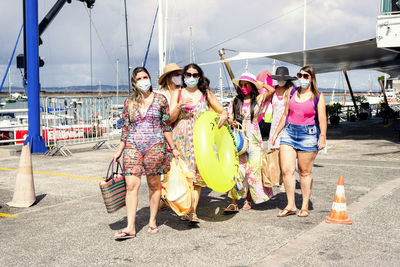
<point>218,171</point>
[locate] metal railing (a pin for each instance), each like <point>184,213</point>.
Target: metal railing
<point>65,121</point>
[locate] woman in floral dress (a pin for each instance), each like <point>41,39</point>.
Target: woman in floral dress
<point>145,131</point>
<point>245,108</point>
<point>193,100</point>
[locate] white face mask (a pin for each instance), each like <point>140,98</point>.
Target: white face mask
<point>177,80</point>
<point>281,83</point>
<point>144,85</point>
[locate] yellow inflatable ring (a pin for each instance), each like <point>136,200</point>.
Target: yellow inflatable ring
<point>218,171</point>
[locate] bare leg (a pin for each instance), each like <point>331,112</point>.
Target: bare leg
<point>197,191</point>
<point>306,162</point>
<point>288,165</point>
<point>154,184</point>
<point>132,189</point>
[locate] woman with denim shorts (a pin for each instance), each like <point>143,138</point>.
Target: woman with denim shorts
<point>304,133</point>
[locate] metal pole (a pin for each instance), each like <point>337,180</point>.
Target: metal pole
<point>117,81</point>
<point>190,45</point>
<point>304,33</point>
<point>127,48</point>
<point>351,92</point>
<point>161,51</point>
<point>91,52</point>
<point>34,139</point>
<point>228,67</point>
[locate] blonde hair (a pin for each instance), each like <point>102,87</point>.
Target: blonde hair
<point>136,97</point>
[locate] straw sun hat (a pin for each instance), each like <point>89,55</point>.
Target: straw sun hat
<point>248,77</point>
<point>171,67</point>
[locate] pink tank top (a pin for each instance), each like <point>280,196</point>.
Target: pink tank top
<point>301,113</point>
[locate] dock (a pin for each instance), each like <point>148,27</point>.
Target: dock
<point>69,224</point>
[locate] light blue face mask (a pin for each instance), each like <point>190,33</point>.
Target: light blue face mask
<point>304,83</point>
<point>296,83</point>
<point>144,85</point>
<point>191,82</point>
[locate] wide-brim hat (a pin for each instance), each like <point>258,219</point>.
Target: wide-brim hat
<point>282,74</point>
<point>248,77</point>
<point>171,67</point>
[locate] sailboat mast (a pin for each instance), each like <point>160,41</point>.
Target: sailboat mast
<point>127,47</point>
<point>161,38</point>
<point>117,80</point>
<point>221,93</point>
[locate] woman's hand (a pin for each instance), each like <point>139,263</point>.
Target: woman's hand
<point>273,139</point>
<point>222,119</point>
<point>176,153</point>
<point>185,102</point>
<point>233,123</point>
<point>322,142</point>
<point>116,156</point>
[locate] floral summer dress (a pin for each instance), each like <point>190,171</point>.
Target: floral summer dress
<point>182,135</point>
<point>250,177</point>
<point>145,146</point>
<point>278,107</point>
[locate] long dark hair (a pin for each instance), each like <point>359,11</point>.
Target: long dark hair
<point>202,84</point>
<point>238,101</point>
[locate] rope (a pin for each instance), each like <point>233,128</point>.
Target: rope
<point>11,58</point>
<point>101,41</point>
<point>151,35</point>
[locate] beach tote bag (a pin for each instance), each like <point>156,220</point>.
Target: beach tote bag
<point>241,139</point>
<point>177,188</point>
<point>271,171</point>
<point>113,188</point>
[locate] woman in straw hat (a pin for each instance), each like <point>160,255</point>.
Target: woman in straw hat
<point>304,133</point>
<point>145,132</point>
<point>246,108</point>
<point>170,80</point>
<point>186,106</point>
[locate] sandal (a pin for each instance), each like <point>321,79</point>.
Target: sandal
<point>286,212</point>
<point>246,205</point>
<point>123,235</point>
<point>186,217</point>
<point>152,230</point>
<point>194,219</point>
<point>232,208</point>
<point>303,213</point>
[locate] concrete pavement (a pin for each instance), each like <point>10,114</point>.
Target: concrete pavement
<point>69,224</point>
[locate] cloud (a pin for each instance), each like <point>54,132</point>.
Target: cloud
<point>66,48</point>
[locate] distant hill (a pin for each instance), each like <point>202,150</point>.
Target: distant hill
<point>124,88</point>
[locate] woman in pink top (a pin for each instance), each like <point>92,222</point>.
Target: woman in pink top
<point>304,133</point>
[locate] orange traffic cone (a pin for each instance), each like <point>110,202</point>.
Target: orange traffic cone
<point>24,191</point>
<point>339,210</point>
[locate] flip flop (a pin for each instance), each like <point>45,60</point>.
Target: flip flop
<point>246,205</point>
<point>232,208</point>
<point>286,212</point>
<point>152,230</point>
<point>125,235</point>
<point>303,213</point>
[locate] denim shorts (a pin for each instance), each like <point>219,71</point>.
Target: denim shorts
<point>303,138</point>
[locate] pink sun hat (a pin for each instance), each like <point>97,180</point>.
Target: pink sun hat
<point>264,77</point>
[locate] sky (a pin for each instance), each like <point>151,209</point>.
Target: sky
<point>66,42</point>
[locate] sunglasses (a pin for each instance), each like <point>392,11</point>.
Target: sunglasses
<point>194,75</point>
<point>305,75</point>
